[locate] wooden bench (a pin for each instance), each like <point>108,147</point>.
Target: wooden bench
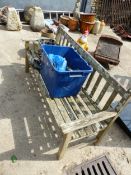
<point>93,111</point>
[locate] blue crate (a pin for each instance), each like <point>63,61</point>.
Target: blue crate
<point>67,83</point>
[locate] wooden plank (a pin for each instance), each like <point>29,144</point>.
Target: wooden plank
<point>58,38</point>
<point>96,85</point>
<point>64,145</point>
<point>81,123</point>
<point>80,100</point>
<point>110,100</point>
<point>123,102</point>
<point>55,111</point>
<point>87,102</point>
<point>92,101</point>
<point>89,80</point>
<point>67,43</point>
<point>89,131</point>
<point>75,107</point>
<point>75,136</point>
<point>67,106</point>
<point>88,134</point>
<point>63,41</point>
<point>82,133</point>
<point>99,98</point>
<point>62,110</point>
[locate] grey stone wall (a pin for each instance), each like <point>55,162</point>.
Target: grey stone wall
<point>66,5</point>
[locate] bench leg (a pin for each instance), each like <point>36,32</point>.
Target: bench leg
<point>26,64</point>
<point>26,57</point>
<point>64,145</point>
<point>103,133</point>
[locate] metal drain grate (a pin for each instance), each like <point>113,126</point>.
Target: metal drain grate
<point>97,166</point>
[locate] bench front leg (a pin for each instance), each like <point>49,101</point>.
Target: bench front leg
<point>64,145</point>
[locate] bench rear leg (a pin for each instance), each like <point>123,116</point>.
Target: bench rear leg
<point>26,57</point>
<point>64,145</point>
<point>26,64</point>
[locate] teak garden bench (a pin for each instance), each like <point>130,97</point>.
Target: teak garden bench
<point>93,111</point>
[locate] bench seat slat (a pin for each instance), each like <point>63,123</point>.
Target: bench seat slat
<point>87,102</point>
<point>63,111</point>
<point>69,109</point>
<point>55,111</point>
<point>82,105</point>
<point>75,107</point>
<point>91,100</point>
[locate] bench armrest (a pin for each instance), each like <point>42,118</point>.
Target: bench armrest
<point>91,119</point>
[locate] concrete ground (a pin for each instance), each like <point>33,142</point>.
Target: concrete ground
<point>25,128</point>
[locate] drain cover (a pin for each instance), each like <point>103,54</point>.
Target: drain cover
<point>97,166</point>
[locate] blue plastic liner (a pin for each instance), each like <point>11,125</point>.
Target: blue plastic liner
<point>66,83</point>
<point>58,62</point>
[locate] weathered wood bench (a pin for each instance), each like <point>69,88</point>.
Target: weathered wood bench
<point>93,111</point>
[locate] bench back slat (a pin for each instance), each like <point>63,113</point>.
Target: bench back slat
<point>89,80</point>
<point>96,85</point>
<point>102,93</point>
<point>110,100</point>
<point>125,99</point>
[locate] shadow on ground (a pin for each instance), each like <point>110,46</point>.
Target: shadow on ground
<point>34,129</point>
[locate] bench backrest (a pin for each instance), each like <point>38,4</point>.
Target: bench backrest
<point>102,89</point>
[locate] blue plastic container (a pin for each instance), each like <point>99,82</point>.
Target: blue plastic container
<point>67,83</point>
